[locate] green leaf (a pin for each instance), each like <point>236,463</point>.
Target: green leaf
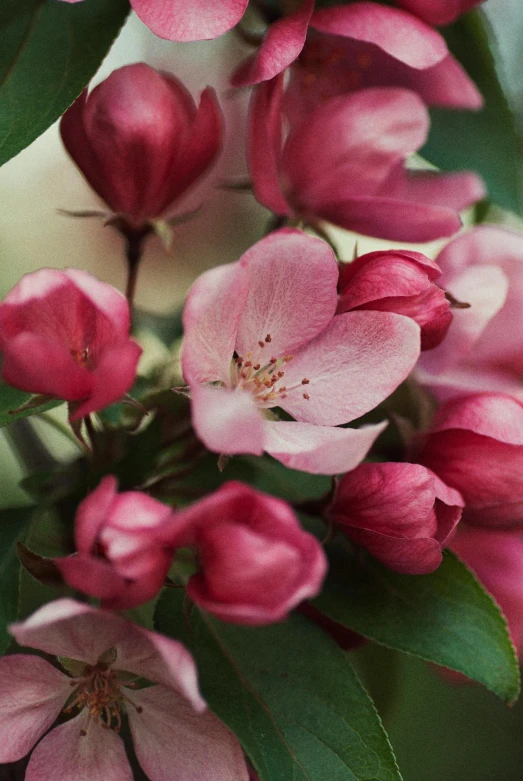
<point>485,141</point>
<point>289,695</point>
<point>50,50</point>
<point>13,399</point>
<point>446,617</point>
<point>14,525</point>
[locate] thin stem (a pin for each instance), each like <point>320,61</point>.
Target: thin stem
<point>91,431</point>
<point>28,447</point>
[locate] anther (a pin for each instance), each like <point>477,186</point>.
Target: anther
<point>273,360</point>
<point>306,396</point>
<point>305,381</point>
<point>268,338</point>
<point>261,344</point>
<point>256,366</point>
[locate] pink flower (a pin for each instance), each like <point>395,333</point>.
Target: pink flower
<point>496,557</point>
<point>187,20</point>
<point>120,557</point>
<point>64,334</point>
<point>402,513</point>
<point>397,281</point>
<point>256,562</point>
<point>170,731</point>
<point>354,46</point>
<point>483,350</point>
<point>262,333</point>
<point>438,12</point>
<point>149,123</point>
<point>475,444</point>
<point>345,163</point>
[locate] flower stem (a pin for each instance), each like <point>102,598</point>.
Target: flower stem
<point>134,238</point>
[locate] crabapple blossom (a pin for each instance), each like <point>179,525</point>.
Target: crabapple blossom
<point>103,654</point>
<point>120,558</point>
<point>483,350</point>
<point>345,163</point>
<point>149,123</point>
<point>344,48</point>
<point>475,444</point>
<point>402,513</point>
<point>262,333</point>
<point>438,11</point>
<point>256,562</point>
<point>65,334</point>
<point>397,281</point>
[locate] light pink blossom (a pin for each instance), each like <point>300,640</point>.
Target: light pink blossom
<point>345,163</point>
<point>397,281</point>
<point>475,444</point>
<point>349,47</point>
<point>483,350</point>
<point>65,335</point>
<point>171,732</point>
<point>438,11</point>
<point>149,123</point>
<point>256,562</point>
<point>262,333</point>
<point>120,558</point>
<point>402,513</point>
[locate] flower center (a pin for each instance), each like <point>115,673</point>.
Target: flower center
<point>83,357</point>
<point>263,378</point>
<point>100,691</point>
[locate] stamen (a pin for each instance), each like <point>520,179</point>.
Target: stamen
<point>305,381</point>
<point>268,338</point>
<point>306,396</point>
<point>261,344</point>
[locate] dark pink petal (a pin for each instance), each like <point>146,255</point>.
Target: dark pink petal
<point>264,145</point>
<point>292,294</point>
<point>170,737</point>
<point>369,132</point>
<point>112,379</point>
<point>490,415</point>
<point>446,84</point>
<point>323,450</point>
<point>416,556</point>
<point>353,365</point>
<point>189,20</point>
<point>227,421</point>
<point>134,511</point>
<point>282,44</point>
<point>211,316</point>
<point>388,218</point>
<point>455,191</point>
<point>396,32</point>
<point>33,694</point>
<point>91,575</point>
<point>104,297</point>
<point>79,751</point>
<point>92,513</point>
<point>438,12</point>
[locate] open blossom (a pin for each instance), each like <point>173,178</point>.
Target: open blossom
<point>120,557</point>
<point>438,11</point>
<point>64,334</point>
<point>171,733</point>
<point>338,50</point>
<point>483,350</point>
<point>402,513</point>
<point>149,123</point>
<point>496,557</point>
<point>345,163</point>
<point>187,20</point>
<point>397,281</point>
<point>475,444</point>
<point>262,333</point>
<point>256,562</point>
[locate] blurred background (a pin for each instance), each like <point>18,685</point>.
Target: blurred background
<point>440,732</point>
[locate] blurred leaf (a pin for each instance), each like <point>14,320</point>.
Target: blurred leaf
<point>41,568</point>
<point>446,617</point>
<point>289,695</point>
<point>50,50</point>
<point>13,399</point>
<point>484,141</point>
<point>14,523</point>
<point>167,328</point>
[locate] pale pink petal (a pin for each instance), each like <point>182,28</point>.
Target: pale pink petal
<point>264,145</point>
<point>135,511</point>
<point>67,753</point>
<point>171,740</point>
<point>92,513</point>
<point>211,316</point>
<point>455,191</point>
<point>282,44</point>
<point>388,218</point>
<point>352,366</point>
<point>33,694</point>
<point>104,297</point>
<point>323,450</point>
<point>396,32</point>
<point>485,244</point>
<point>369,132</point>
<point>189,20</point>
<point>491,415</point>
<point>227,421</point>
<point>292,293</point>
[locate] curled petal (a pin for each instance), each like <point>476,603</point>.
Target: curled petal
<point>189,20</point>
<point>227,421</point>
